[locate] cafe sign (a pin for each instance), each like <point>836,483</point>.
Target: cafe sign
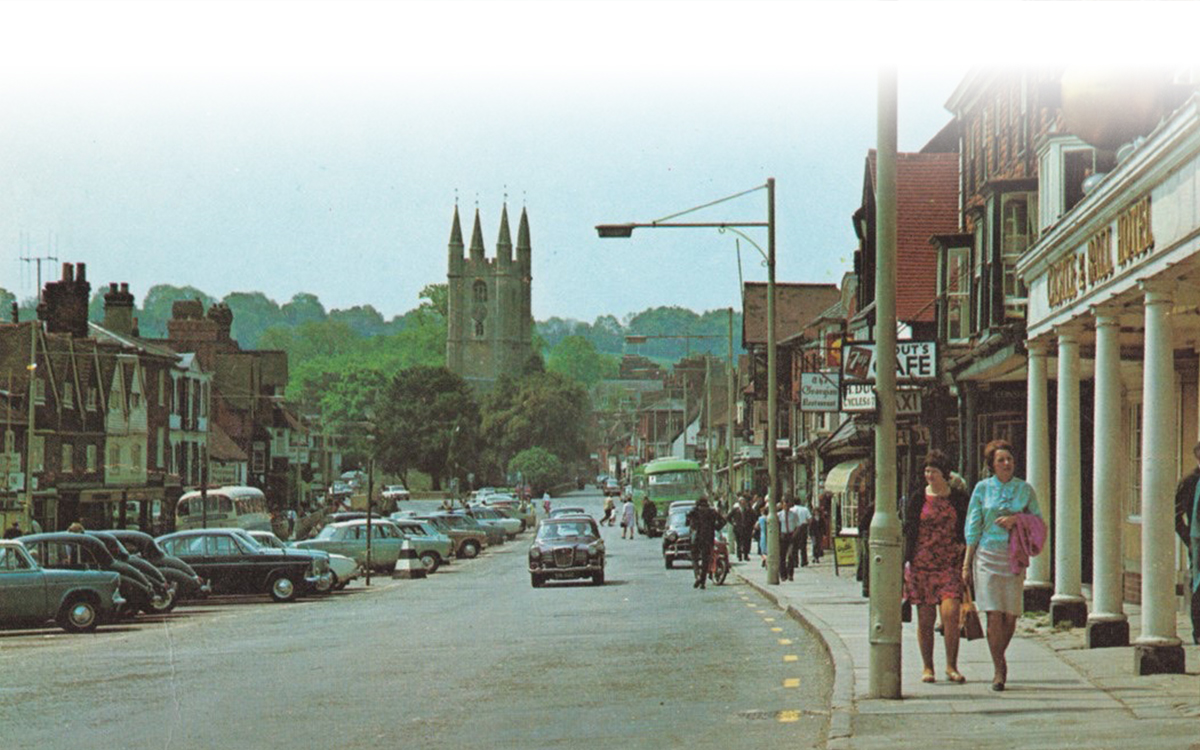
<point>915,360</point>
<point>1077,273</point>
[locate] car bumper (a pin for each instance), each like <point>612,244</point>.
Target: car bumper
<point>677,551</point>
<point>320,582</point>
<point>574,571</point>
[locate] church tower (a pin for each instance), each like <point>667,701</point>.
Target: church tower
<point>489,327</point>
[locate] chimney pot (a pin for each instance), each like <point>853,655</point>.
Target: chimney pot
<point>112,287</point>
<point>124,288</point>
<point>81,272</point>
<point>68,274</point>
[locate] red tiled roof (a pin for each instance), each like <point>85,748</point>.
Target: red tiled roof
<point>926,204</point>
<point>796,305</point>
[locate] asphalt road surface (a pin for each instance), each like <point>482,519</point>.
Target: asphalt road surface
<point>473,656</point>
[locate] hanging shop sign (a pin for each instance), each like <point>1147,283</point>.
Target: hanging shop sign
<point>915,361</point>
<point>819,391</point>
<point>860,397</point>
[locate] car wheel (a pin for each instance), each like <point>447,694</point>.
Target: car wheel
<point>598,578</point>
<point>283,589</point>
<point>469,549</point>
<point>430,561</point>
<point>536,580</point>
<point>78,615</point>
<point>722,570</point>
<point>340,585</point>
<point>333,583</point>
<point>161,605</point>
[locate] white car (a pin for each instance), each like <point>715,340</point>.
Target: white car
<point>397,492</point>
<point>344,569</point>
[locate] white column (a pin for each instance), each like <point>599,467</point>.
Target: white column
<point>1159,453</point>
<point>1107,624</point>
<point>1067,603</point>
<point>1037,462</point>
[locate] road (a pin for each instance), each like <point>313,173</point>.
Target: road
<point>473,656</point>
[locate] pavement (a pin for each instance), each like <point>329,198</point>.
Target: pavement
<point>1059,692</point>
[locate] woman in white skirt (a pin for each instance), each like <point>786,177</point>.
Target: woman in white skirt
<point>990,518</point>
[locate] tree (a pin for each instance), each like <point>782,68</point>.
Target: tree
<point>253,313</point>
<point>156,307</point>
<point>542,410</point>
<point>538,467</point>
<point>428,420</point>
<point>576,357</point>
<point>304,308</point>
<point>364,319</point>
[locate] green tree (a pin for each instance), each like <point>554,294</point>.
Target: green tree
<point>156,307</point>
<point>538,467</point>
<point>541,410</point>
<point>303,308</point>
<point>428,420</point>
<point>365,320</point>
<point>576,357</point>
<point>253,313</point>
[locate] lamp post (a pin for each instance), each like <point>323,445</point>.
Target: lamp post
<point>626,230</point>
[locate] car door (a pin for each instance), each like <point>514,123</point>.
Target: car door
<point>223,558</point>
<point>389,542</point>
<point>22,588</point>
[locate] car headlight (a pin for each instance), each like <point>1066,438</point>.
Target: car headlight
<point>670,536</point>
<point>534,553</point>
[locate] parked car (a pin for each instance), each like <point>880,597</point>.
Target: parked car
<point>567,547</point>
<point>164,591</point>
<point>468,541</point>
<point>189,584</point>
<point>495,535</point>
<point>433,548</point>
<point>523,512</point>
<point>235,564</point>
<point>396,493</point>
<point>677,537</point>
<point>342,569</point>
<point>349,538</point>
<point>64,550</point>
<point>568,510</point>
<point>493,517</point>
<point>77,600</point>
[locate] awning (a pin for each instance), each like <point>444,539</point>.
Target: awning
<point>838,478</point>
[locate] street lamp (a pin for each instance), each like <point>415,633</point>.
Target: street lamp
<point>626,230</point>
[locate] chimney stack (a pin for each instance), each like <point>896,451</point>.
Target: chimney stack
<point>64,304</point>
<point>118,309</point>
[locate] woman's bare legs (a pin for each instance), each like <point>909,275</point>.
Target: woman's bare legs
<point>950,632</point>
<point>925,621</point>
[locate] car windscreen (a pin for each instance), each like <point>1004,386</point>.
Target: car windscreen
<point>678,519</point>
<point>328,532</point>
<point>565,530</point>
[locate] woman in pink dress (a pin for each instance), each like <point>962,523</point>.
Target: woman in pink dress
<point>933,552</point>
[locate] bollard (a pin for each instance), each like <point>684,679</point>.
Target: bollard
<point>408,566</point>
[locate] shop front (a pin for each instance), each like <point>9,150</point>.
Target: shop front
<point>1114,293</point>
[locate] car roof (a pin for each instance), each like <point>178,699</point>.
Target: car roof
<point>362,522</point>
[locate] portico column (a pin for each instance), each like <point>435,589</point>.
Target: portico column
<point>1067,604</point>
<point>1158,649</point>
<point>1107,624</point>
<point>1038,585</point>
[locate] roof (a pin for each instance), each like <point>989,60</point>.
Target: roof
<point>671,464</point>
<point>221,447</point>
<point>796,305</point>
<point>926,205</point>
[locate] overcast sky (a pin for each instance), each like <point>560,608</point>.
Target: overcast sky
<point>320,147</point>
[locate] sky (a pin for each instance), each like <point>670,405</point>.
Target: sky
<point>321,147</point>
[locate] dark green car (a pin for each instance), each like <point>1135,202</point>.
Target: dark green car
<point>31,596</point>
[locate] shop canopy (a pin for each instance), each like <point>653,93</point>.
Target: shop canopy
<point>838,478</point>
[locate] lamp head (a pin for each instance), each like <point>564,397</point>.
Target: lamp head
<point>614,230</point>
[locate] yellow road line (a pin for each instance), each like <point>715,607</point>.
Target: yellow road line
<point>785,641</point>
<point>768,619</point>
<point>791,657</point>
<point>776,629</point>
<point>792,682</point>
<point>787,717</point>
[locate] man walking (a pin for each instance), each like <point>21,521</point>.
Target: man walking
<point>789,523</point>
<point>704,522</point>
<point>803,517</point>
<point>737,517</point>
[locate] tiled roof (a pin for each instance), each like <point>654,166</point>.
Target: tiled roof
<point>796,305</point>
<point>926,204</point>
<point>221,447</point>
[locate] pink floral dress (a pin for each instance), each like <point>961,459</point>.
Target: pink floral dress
<point>934,574</point>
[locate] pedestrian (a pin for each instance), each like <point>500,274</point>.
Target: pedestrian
<point>934,517</point>
<point>649,513</point>
<point>866,513</point>
<point>1187,500</point>
<point>609,510</point>
<point>801,541</point>
<point>77,527</point>
<point>746,532</point>
<point>12,532</point>
<point>760,531</point>
<point>991,515</point>
<point>546,502</point>
<point>628,519</point>
<point>818,527</point>
<point>789,524</point>
<point>704,523</point>
<point>737,517</point>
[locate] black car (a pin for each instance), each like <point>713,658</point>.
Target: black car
<point>164,590</point>
<point>188,584</point>
<point>677,537</point>
<point>234,563</point>
<point>65,550</point>
<point>567,547</point>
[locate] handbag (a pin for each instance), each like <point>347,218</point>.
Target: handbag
<point>970,625</point>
